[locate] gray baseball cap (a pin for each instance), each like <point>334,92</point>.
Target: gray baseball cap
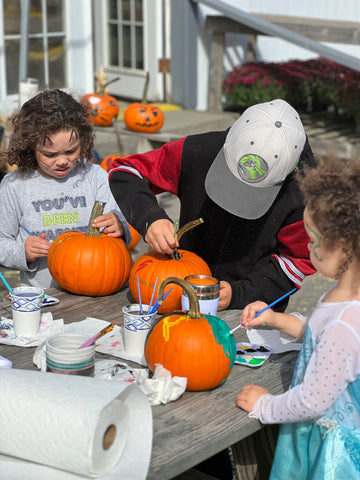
<point>262,147</point>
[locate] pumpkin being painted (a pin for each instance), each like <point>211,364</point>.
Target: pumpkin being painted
<point>141,117</point>
<point>89,263</point>
<point>198,347</point>
<point>102,108</point>
<point>153,265</point>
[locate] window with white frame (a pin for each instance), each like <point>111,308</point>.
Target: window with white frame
<point>126,34</point>
<point>45,42</point>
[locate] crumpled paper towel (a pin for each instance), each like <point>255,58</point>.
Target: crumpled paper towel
<point>161,388</point>
<point>48,327</point>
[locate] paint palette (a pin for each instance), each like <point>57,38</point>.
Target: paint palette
<point>47,300</point>
<point>251,354</point>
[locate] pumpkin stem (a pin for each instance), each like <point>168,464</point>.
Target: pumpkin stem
<point>194,310</point>
<point>146,86</point>
<point>96,211</point>
<point>104,85</point>
<point>186,228</point>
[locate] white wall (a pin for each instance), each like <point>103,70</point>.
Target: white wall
<point>79,59</point>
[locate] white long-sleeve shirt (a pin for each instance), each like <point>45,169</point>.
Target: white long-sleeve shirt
<point>333,364</point>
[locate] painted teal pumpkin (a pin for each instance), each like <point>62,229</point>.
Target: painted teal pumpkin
<point>198,347</point>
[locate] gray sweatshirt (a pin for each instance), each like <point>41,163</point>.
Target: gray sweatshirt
<point>48,205</point>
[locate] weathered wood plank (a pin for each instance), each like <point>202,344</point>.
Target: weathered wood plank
<point>321,30</point>
<point>216,72</point>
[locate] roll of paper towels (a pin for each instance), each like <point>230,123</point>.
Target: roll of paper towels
<point>83,425</point>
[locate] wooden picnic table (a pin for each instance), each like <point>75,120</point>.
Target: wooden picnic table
<point>197,425</point>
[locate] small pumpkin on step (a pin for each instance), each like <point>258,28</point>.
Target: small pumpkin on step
<point>144,117</point>
<point>101,106</point>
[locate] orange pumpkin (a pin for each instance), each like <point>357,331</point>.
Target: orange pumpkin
<point>135,237</point>
<point>89,263</point>
<point>102,108</point>
<point>144,117</point>
<point>152,265</point>
<point>198,347</point>
<point>106,162</point>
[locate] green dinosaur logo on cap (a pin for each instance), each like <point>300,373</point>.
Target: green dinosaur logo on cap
<point>252,168</point>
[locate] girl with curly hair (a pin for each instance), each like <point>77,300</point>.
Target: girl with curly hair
<point>54,187</point>
<point>320,435</point>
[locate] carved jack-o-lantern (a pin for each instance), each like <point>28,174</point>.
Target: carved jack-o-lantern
<point>144,117</point>
<point>141,117</point>
<point>102,108</point>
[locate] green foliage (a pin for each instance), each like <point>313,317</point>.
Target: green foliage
<point>318,83</point>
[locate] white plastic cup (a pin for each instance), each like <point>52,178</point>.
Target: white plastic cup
<point>63,355</point>
<point>26,304</point>
<point>136,328</point>
<point>207,291</point>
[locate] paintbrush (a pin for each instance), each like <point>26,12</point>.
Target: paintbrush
<point>102,332</point>
<point>263,310</point>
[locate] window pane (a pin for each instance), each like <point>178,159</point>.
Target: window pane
<point>36,60</point>
<point>11,16</point>
<point>56,62</point>
<point>55,15</point>
<point>12,48</point>
<point>139,48</point>
<point>126,10</point>
<point>138,10</point>
<point>113,10</point>
<point>126,47</point>
<point>113,45</point>
<point>57,66</point>
<point>35,20</point>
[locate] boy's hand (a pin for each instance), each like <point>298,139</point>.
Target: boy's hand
<point>36,247</point>
<point>160,236</point>
<point>249,395</point>
<point>225,295</point>
<point>110,223</point>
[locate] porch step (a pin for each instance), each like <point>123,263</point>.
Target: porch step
<point>327,133</point>
<point>332,135</point>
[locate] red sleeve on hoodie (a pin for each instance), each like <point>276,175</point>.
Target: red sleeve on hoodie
<point>161,167</point>
<point>293,252</point>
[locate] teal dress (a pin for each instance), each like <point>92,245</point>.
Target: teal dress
<point>328,448</point>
